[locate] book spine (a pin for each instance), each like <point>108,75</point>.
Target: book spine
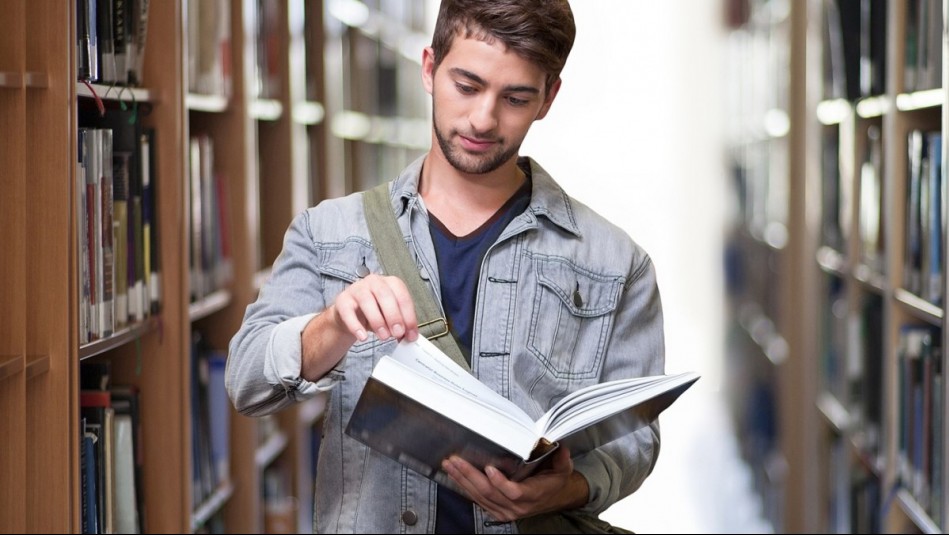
<point>107,312</point>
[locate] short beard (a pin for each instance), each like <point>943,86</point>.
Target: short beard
<point>472,165</point>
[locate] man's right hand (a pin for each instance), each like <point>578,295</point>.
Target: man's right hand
<point>377,303</point>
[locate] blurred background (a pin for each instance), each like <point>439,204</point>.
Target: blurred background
<point>780,160</point>
<point>638,133</point>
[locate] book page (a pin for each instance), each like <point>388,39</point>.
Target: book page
<point>589,405</point>
<point>429,390</point>
<point>426,359</point>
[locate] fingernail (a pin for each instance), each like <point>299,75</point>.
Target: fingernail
<point>383,333</point>
<point>398,330</point>
<point>361,335</point>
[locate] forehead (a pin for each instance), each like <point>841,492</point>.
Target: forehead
<point>492,61</point>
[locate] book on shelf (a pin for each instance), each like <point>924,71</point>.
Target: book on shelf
<point>86,327</point>
<point>96,409</point>
<point>419,407</point>
<point>105,25</point>
<point>87,480</point>
<point>130,458</point>
<point>87,41</point>
<point>149,253</point>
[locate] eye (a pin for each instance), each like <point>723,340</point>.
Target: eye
<point>514,101</point>
<point>465,89</point>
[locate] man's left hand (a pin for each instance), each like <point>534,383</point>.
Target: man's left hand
<point>554,488</point>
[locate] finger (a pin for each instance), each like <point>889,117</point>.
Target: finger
<point>562,462</point>
<point>368,294</point>
<point>479,487</point>
<point>347,312</point>
<point>406,308</point>
<point>397,308</point>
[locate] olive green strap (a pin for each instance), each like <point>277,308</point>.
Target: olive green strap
<point>395,259</point>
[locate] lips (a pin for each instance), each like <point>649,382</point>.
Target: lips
<point>476,145</point>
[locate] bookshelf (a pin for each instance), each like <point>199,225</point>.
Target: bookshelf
<point>270,164</point>
<point>244,113</point>
<point>856,294</point>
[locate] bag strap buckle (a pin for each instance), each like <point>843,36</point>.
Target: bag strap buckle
<point>436,331</point>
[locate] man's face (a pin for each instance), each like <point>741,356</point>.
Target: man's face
<point>484,100</point>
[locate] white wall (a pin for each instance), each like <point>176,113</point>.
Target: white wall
<point>636,133</point>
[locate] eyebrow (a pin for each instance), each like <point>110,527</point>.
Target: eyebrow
<point>479,80</point>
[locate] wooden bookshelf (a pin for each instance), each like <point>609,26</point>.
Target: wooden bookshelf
<point>41,357</point>
<point>864,322</point>
<point>345,111</point>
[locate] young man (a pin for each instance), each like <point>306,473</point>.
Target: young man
<point>543,295</point>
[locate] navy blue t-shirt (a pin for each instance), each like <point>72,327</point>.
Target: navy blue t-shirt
<point>459,265</point>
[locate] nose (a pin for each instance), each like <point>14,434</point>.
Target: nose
<point>483,117</point>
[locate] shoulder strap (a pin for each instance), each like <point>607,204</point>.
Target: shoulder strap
<point>394,255</point>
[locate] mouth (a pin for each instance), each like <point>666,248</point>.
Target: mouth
<point>475,144</point>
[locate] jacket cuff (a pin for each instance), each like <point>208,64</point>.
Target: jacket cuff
<point>285,361</point>
<point>595,470</point>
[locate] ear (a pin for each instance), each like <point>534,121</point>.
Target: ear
<point>549,99</point>
<point>428,69</point>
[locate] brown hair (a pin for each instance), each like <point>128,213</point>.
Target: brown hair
<point>540,31</point>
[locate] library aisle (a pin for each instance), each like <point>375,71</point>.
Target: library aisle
<point>653,164</point>
<point>700,484</point>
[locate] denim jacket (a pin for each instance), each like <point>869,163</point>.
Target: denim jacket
<point>565,299</point>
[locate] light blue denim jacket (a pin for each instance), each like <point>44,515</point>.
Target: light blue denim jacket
<point>533,342</point>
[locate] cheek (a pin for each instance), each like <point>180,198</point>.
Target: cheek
<point>516,127</point>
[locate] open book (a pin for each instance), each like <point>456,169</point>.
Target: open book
<point>419,407</point>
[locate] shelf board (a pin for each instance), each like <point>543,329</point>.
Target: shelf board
<point>871,107</point>
<point>920,100</point>
<point>36,365</point>
<point>762,331</point>
<point>209,304</point>
<point>271,449</point>
<point>266,109</point>
<point>916,512</point>
<point>17,80</point>
<point>211,506</point>
<point>834,412</point>
<point>834,111</point>
<point>10,365</point>
<point>206,103</point>
<point>873,462</point>
<point>38,80</point>
<point>308,113</point>
<point>918,306</point>
<point>119,338</point>
<point>11,80</point>
<point>115,93</point>
<point>406,132</point>
<point>831,261</point>
<point>870,278</point>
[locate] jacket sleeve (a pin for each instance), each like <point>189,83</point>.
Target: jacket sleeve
<point>636,348</point>
<point>265,355</point>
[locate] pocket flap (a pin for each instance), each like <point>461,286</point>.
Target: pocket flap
<point>582,292</point>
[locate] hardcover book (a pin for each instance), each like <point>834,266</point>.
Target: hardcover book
<point>419,407</point>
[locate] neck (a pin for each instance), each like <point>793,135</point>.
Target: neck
<point>463,201</point>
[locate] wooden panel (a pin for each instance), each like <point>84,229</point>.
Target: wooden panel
<point>51,281</point>
<point>158,366</point>
<point>13,473</point>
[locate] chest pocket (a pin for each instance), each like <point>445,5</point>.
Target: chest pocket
<point>342,264</point>
<point>571,317</point>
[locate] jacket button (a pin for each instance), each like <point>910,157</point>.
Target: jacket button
<point>409,517</point>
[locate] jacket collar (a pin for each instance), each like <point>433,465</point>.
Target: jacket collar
<point>548,199</point>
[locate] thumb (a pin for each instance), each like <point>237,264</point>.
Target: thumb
<point>561,461</point>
